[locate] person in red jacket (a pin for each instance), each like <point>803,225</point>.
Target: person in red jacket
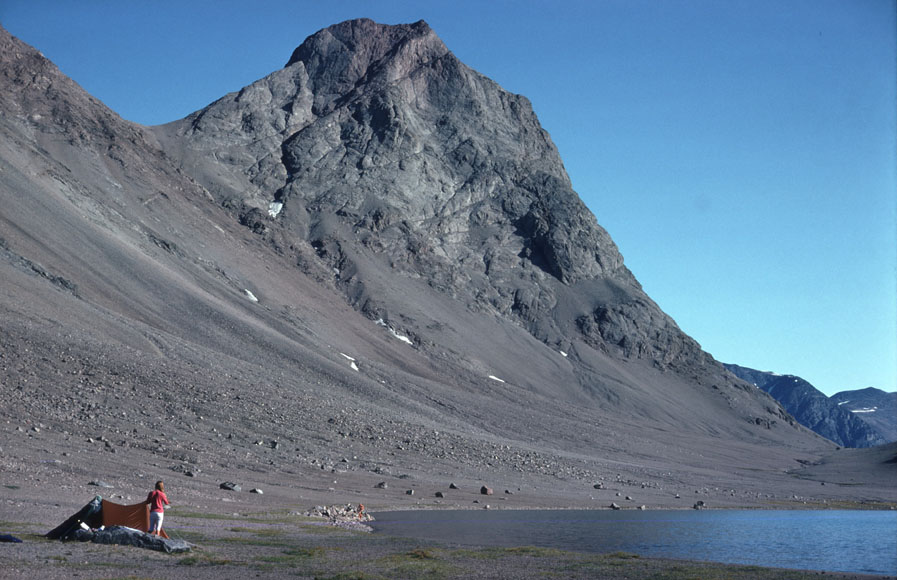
<point>157,501</point>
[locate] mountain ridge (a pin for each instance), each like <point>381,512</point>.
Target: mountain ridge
<point>497,330</point>
<point>813,409</point>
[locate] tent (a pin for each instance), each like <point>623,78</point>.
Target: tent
<point>101,512</point>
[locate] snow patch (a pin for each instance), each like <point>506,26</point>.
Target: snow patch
<point>274,208</point>
<point>250,295</point>
<point>563,354</point>
<point>353,366</point>
<point>495,378</point>
<point>347,356</point>
<point>867,410</point>
<point>392,331</point>
<point>842,402</point>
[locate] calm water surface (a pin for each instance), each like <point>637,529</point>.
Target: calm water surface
<point>831,540</point>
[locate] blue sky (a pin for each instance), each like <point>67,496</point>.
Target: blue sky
<point>742,154</point>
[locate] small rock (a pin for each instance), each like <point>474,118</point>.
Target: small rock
<point>509,492</point>
<point>641,507</point>
<point>485,490</point>
<point>699,505</point>
<point>381,485</point>
<point>409,492</point>
<point>453,486</point>
<point>230,486</point>
<point>100,483</point>
<point>256,490</point>
<point>628,498</point>
<point>440,494</point>
<point>614,506</point>
<point>598,486</point>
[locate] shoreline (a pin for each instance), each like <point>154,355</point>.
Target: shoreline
<point>597,535</point>
<point>275,544</point>
<point>46,478</point>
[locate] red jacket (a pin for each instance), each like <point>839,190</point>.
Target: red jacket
<point>157,500</point>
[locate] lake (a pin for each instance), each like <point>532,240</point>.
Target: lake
<point>830,540</point>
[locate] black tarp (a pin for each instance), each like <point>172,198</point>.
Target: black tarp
<point>130,537</point>
<point>91,514</point>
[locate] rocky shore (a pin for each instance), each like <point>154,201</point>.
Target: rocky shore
<point>304,522</point>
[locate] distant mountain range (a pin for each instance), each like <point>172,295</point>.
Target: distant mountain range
<point>874,407</point>
<point>861,418</point>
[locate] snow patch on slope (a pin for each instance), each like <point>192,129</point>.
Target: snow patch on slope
<point>394,332</point>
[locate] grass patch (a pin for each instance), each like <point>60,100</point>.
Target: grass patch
<point>843,504</point>
<point>622,556</point>
<point>328,529</point>
<point>260,532</point>
<point>418,563</point>
<point>202,515</point>
<point>254,541</point>
<point>293,556</point>
<point>16,526</point>
<point>204,559</point>
<point>188,535</point>
<point>723,572</point>
<point>350,576</point>
<point>497,553</point>
<point>535,552</point>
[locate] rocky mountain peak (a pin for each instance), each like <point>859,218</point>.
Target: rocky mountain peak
<point>379,157</point>
<point>338,57</point>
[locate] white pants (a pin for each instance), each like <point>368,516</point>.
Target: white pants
<point>156,522</point>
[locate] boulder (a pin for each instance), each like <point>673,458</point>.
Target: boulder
<point>485,490</point>
<point>614,506</point>
<point>231,486</point>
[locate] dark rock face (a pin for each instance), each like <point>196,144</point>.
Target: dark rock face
<point>872,406</point>
<point>811,408</point>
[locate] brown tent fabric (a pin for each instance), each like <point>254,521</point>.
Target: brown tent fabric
<point>133,516</point>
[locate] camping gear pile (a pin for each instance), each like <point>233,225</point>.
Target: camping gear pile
<point>337,513</point>
<point>106,522</point>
